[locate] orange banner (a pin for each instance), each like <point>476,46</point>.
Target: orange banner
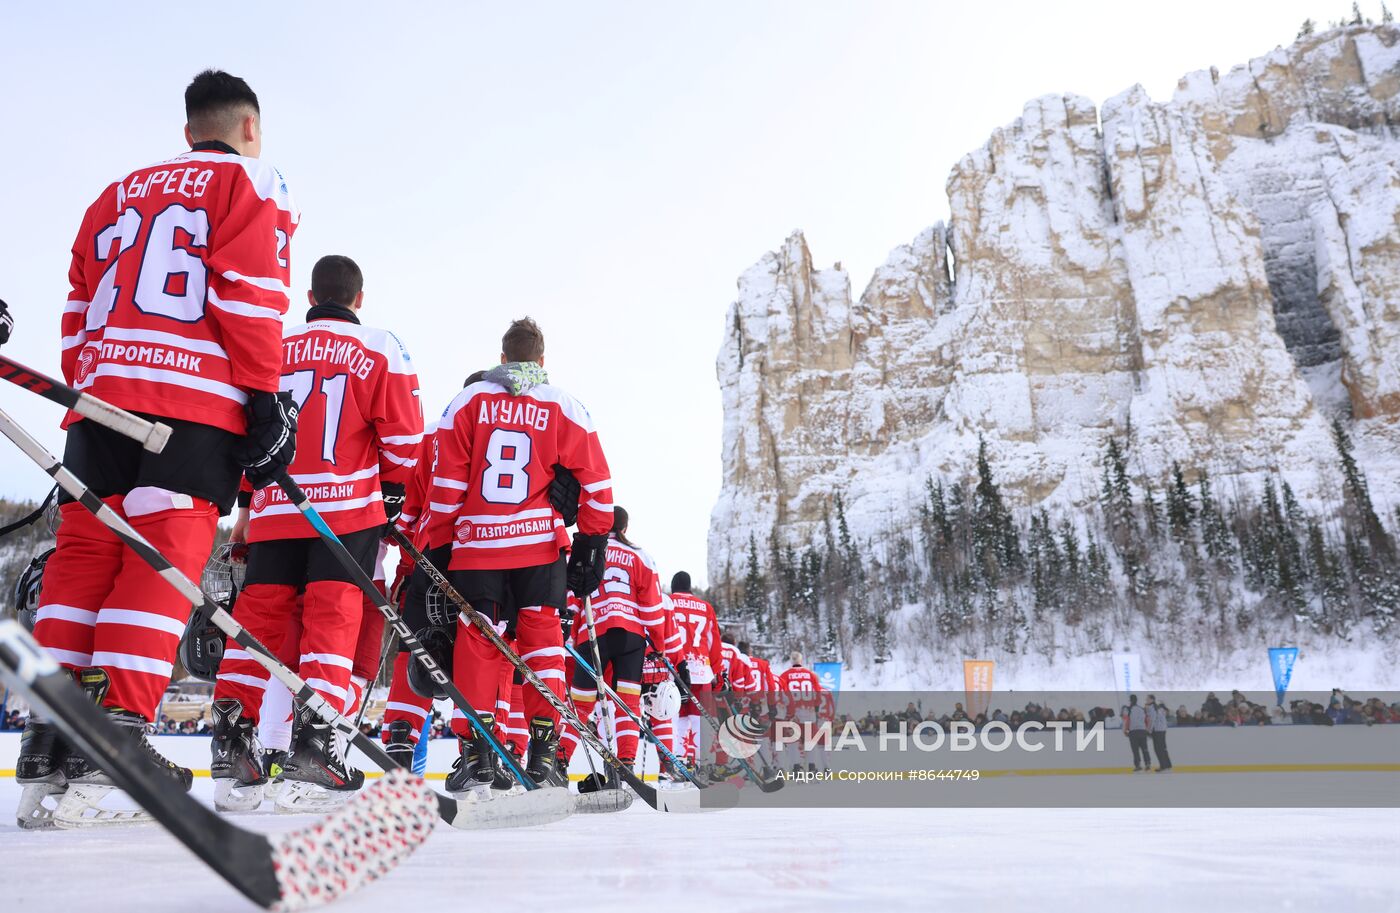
<point>977,682</point>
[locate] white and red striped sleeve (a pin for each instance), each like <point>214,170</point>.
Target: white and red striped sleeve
<point>581,453</point>
<point>397,415</point>
<point>452,451</point>
<point>249,265</point>
<point>647,590</point>
<point>84,276</point>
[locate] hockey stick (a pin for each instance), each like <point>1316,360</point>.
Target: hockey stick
<point>150,435</point>
<point>768,786</point>
<point>672,801</point>
<point>294,871</point>
<point>597,664</point>
<point>642,727</point>
<point>762,758</point>
<point>401,628</point>
<point>451,811</point>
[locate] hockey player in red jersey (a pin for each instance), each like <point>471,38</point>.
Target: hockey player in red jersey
<point>660,697</point>
<point>179,282</point>
<point>424,609</point>
<point>702,658</point>
<point>360,425</point>
<point>489,499</point>
<point>626,608</point>
<point>802,694</point>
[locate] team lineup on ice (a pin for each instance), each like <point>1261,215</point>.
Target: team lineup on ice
<point>424,659</point>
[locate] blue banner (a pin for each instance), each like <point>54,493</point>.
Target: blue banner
<point>1281,661</point>
<point>829,674</point>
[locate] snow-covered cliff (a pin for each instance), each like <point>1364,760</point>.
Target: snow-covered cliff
<point>1214,278</point>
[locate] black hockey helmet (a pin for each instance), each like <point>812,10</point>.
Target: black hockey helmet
<point>26,600</point>
<point>437,640</point>
<point>202,645</point>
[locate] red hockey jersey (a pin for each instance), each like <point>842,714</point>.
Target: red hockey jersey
<point>359,425</point>
<point>802,686</point>
<point>415,500</point>
<point>669,639</point>
<point>696,619</point>
<point>489,492</point>
<point>734,666</point>
<point>179,282</point>
<point>630,594</point>
<point>761,677</point>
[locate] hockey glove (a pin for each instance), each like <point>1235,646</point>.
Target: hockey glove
<point>683,674</point>
<point>271,442</point>
<point>563,494</point>
<point>394,495</point>
<point>7,323</point>
<point>586,564</point>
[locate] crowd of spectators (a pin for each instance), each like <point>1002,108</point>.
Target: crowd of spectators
<point>1341,709</point>
<point>1239,710</point>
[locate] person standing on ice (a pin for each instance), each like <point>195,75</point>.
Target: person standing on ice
<point>489,500</point>
<point>1158,720</point>
<point>803,696</point>
<point>357,393</point>
<point>179,281</point>
<point>1137,727</point>
<point>627,607</point>
<point>700,633</point>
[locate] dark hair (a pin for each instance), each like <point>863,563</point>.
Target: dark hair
<point>680,582</point>
<point>336,279</point>
<point>214,103</point>
<point>619,528</point>
<point>743,646</point>
<point>524,341</point>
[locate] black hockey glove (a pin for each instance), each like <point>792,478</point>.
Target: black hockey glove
<point>563,494</point>
<point>7,326</point>
<point>586,564</point>
<point>394,495</point>
<point>271,442</point>
<point>683,675</point>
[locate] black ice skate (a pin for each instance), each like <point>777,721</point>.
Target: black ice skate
<point>235,759</point>
<point>40,771</point>
<point>505,783</point>
<point>475,768</point>
<point>316,775</point>
<point>89,785</point>
<point>400,745</point>
<point>544,754</point>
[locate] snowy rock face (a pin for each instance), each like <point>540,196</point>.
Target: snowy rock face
<point>1214,278</point>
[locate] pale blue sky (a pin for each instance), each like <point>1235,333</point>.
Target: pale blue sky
<point>608,168</point>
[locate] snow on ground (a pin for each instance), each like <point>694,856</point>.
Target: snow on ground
<point>776,861</point>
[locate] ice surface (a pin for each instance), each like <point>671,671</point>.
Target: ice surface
<point>803,861</point>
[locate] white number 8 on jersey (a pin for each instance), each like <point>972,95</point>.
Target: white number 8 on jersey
<point>506,479</point>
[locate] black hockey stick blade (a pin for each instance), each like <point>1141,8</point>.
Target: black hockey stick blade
<point>293,871</point>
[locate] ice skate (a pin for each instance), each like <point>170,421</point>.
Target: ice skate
<point>400,746</point>
<point>236,759</point>
<point>315,774</point>
<point>39,770</point>
<point>87,802</point>
<point>544,754</point>
<point>474,771</point>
